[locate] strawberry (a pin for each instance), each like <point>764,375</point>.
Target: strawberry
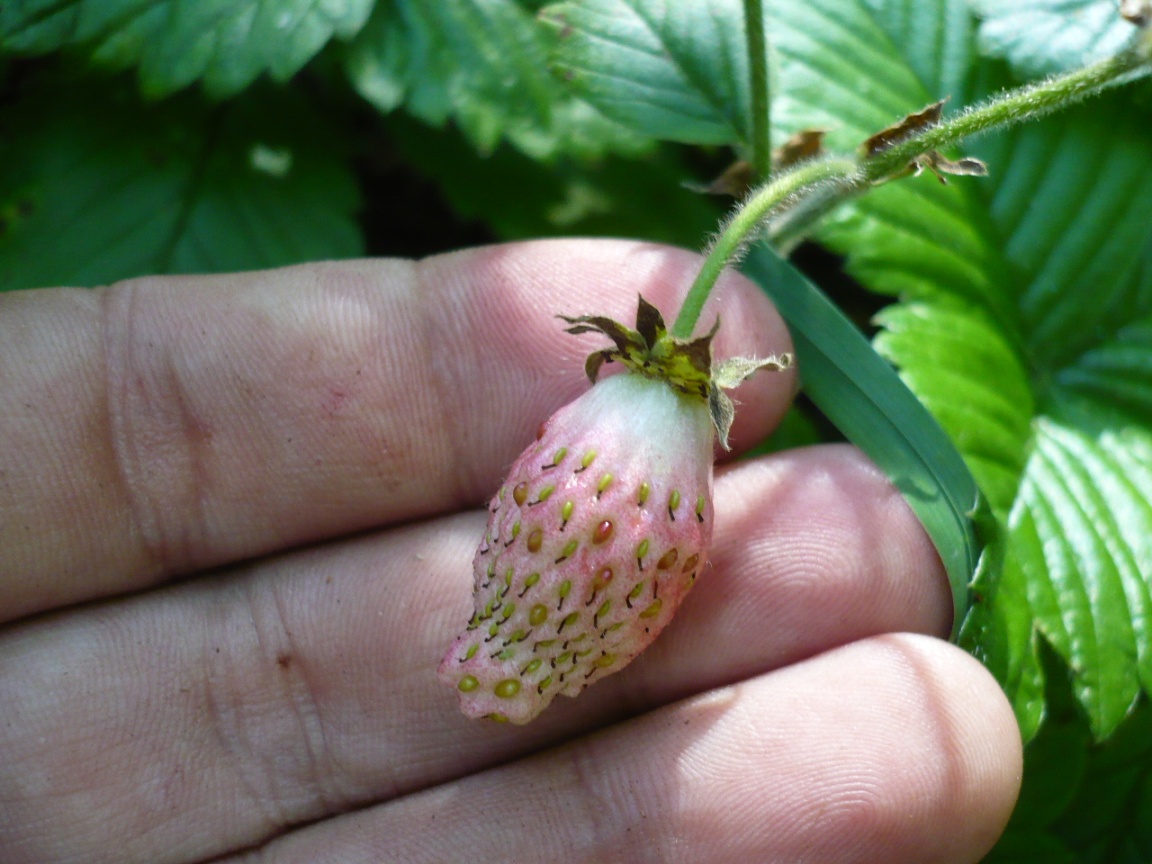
<point>602,526</point>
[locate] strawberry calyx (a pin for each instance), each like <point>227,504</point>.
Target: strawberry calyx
<point>686,365</point>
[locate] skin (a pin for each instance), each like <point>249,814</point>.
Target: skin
<point>237,515</point>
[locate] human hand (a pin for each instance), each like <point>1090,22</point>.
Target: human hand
<point>240,429</point>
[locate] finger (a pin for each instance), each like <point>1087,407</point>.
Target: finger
<point>895,749</point>
<point>172,424</point>
<point>213,715</point>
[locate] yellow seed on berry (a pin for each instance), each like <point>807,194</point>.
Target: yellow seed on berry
<point>468,683</point>
<point>536,540</point>
<point>507,688</point>
<point>667,559</point>
<point>537,615</point>
<point>643,493</point>
<point>520,493</point>
<point>653,610</point>
<point>691,563</point>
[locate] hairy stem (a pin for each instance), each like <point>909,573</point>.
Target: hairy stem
<point>746,221</point>
<point>811,190</point>
<point>758,74</point>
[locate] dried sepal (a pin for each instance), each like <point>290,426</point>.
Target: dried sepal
<point>685,365</point>
<point>732,373</point>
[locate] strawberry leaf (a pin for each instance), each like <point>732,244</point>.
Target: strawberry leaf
<point>225,44</point>
<point>110,188</point>
<point>1040,37</point>
<point>483,65</point>
<point>676,71</point>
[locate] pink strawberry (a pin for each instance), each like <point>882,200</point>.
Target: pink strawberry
<point>601,527</point>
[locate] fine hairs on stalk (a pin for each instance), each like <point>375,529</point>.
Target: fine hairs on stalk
<point>816,195</point>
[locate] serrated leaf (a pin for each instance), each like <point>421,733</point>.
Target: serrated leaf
<point>224,43</point>
<point>676,71</point>
<point>96,186</point>
<point>484,65</point>
<point>1041,37</point>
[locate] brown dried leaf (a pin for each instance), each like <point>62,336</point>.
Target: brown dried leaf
<point>735,181</point>
<point>904,130</point>
<point>805,144</point>
<point>1139,12</point>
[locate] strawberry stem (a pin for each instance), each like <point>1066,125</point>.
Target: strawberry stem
<point>812,189</point>
<point>758,80</point>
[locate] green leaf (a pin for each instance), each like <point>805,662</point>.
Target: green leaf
<point>1041,37</point>
<point>676,71</point>
<point>484,65</point>
<point>224,43</point>
<point>1090,800</point>
<point>876,411</point>
<point>96,186</point>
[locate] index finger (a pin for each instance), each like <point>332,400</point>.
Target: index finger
<point>170,424</point>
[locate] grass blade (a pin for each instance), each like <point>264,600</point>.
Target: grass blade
<point>865,398</point>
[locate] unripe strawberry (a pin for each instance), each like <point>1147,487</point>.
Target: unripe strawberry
<point>601,528</point>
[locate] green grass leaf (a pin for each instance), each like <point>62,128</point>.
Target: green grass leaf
<point>1041,37</point>
<point>877,412</point>
<point>96,186</point>
<point>676,71</point>
<point>173,43</point>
